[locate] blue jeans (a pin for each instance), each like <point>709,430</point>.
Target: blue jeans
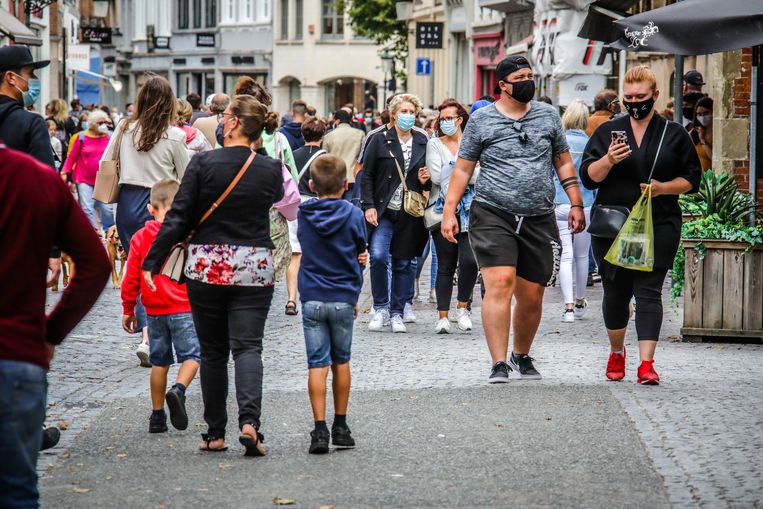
<point>386,294</point>
<point>132,215</point>
<point>328,332</point>
<point>88,204</point>
<point>430,248</point>
<point>168,331</point>
<point>23,400</point>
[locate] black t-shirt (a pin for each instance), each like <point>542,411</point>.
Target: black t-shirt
<point>301,156</point>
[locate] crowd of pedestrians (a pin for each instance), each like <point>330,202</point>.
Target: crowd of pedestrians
<point>500,192</point>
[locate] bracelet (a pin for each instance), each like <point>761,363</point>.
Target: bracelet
<point>579,206</point>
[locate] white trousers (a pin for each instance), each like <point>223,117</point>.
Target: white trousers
<point>574,255</point>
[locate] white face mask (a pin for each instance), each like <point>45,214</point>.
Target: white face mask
<point>103,128</point>
<point>705,120</point>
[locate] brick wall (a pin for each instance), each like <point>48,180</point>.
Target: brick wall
<point>742,90</point>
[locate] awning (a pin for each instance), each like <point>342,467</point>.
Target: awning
<point>598,24</point>
<point>507,6</point>
<point>16,30</point>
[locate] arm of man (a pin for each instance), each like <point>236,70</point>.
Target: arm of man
<point>565,170</point>
<point>460,178</point>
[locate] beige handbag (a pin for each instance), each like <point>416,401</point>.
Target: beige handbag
<point>175,263</point>
<point>414,202</point>
<point>106,189</point>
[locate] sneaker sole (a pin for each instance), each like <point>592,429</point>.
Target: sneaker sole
<point>162,430</point>
<point>565,320</point>
<point>443,331</point>
<point>497,380</point>
<point>319,448</point>
<point>143,357</point>
<point>342,446</point>
<point>515,368</point>
<point>399,331</point>
<point>463,328</point>
<point>376,329</point>
<point>178,415</point>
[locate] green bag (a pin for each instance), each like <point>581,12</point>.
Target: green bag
<point>633,247</point>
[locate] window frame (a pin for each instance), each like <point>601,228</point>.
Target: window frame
<point>299,19</point>
<point>284,18</point>
<point>184,14</point>
<point>329,12</point>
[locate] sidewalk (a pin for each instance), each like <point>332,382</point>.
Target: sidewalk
<point>431,433</point>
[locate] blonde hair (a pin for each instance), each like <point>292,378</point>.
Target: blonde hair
<point>639,74</point>
<point>575,116</point>
<point>184,110</point>
<point>59,110</point>
<point>399,99</point>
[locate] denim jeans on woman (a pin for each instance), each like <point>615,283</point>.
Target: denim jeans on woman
<point>394,295</point>
<point>132,214</point>
<point>88,204</point>
<point>230,320</point>
<point>23,400</point>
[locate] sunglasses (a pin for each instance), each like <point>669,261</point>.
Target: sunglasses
<point>517,126</point>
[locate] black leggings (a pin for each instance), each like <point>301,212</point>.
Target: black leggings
<point>647,288</point>
<point>450,256</point>
<point>230,319</point>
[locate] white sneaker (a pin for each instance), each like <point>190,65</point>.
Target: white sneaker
<point>397,324</point>
<point>581,309</point>
<point>142,353</point>
<point>379,321</point>
<point>443,326</point>
<point>432,296</point>
<point>569,316</point>
<point>464,319</point>
<point>408,314</point>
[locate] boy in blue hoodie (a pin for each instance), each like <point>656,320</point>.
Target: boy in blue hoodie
<point>332,233</point>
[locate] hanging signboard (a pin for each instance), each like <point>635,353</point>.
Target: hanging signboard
<point>429,35</point>
<point>78,57</point>
<point>95,35</point>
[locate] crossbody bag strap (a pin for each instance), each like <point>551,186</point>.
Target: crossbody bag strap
<point>397,165</point>
<point>224,195</point>
<point>657,155</point>
<point>309,162</point>
<point>115,156</point>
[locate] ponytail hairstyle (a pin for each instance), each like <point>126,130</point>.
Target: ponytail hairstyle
<point>155,110</point>
<point>246,85</point>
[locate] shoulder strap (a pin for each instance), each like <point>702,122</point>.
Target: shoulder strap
<point>81,137</point>
<point>224,195</point>
<point>118,144</point>
<point>397,165</point>
<point>654,163</point>
<point>309,162</point>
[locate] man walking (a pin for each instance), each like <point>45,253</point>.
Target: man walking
<point>518,143</point>
<point>606,105</point>
<point>344,142</point>
<point>293,130</point>
<point>208,124</point>
<point>37,212</point>
<point>19,87</point>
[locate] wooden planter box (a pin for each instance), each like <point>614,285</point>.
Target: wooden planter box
<point>723,293</point>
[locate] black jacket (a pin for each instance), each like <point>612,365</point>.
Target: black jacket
<point>381,179</point>
<point>678,158</point>
<point>24,131</point>
<point>242,219</point>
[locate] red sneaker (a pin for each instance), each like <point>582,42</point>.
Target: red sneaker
<point>616,366</point>
<point>647,375</point>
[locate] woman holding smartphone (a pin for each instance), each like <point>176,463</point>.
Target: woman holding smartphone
<point>620,169</point>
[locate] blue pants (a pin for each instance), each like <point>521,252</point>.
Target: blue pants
<point>88,204</point>
<point>328,332</point>
<point>23,400</point>
<point>132,214</point>
<point>392,295</point>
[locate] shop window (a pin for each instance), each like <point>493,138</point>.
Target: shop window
<point>333,20</point>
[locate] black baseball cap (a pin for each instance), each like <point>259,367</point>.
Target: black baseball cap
<point>18,56</point>
<point>507,66</point>
<point>694,77</point>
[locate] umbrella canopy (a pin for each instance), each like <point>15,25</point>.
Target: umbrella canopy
<point>690,27</point>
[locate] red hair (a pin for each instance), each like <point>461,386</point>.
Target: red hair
<point>460,110</point>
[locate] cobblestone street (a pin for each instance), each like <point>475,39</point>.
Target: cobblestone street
<point>431,433</point>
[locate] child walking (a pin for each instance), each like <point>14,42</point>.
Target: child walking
<point>333,238</point>
<point>170,324</point>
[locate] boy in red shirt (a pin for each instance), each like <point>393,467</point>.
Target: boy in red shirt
<point>169,318</point>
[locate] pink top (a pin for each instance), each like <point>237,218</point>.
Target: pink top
<point>84,158</point>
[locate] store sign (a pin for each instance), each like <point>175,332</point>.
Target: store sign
<point>205,40</point>
<point>429,35</point>
<point>95,35</point>
<point>581,86</point>
<point>78,57</point>
<point>161,42</point>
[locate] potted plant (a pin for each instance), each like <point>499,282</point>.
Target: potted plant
<point>719,267</point>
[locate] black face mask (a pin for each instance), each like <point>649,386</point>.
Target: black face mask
<point>523,91</point>
<point>639,109</point>
<point>688,111</point>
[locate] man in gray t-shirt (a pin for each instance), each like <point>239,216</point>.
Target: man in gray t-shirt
<point>518,143</point>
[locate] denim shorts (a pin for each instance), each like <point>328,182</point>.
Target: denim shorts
<point>167,331</point>
<point>328,332</point>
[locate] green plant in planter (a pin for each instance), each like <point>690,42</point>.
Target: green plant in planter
<point>719,195</point>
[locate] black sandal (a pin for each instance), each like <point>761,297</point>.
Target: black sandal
<point>251,444</point>
<point>209,439</point>
<point>291,308</point>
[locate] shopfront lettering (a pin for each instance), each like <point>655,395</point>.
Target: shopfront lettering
<point>489,52</point>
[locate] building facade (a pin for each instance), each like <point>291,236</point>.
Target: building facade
<point>318,58</point>
<point>429,68</point>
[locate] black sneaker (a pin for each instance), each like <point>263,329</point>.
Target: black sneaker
<point>50,437</point>
<point>500,373</point>
<point>342,437</point>
<point>157,423</point>
<point>320,441</point>
<point>176,403</point>
<point>523,365</point>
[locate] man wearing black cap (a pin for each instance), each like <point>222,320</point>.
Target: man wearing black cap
<point>692,92</point>
<point>518,143</point>
<point>19,87</point>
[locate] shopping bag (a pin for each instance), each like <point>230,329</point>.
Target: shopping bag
<point>633,247</point>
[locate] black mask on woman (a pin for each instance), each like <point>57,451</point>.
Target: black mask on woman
<point>639,109</point>
<point>523,91</point>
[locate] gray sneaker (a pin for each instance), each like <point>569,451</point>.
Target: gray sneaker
<point>499,374</point>
<point>523,365</point>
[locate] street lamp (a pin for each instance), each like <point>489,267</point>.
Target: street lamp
<point>387,64</point>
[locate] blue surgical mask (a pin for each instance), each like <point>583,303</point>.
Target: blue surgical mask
<point>85,125</point>
<point>103,128</point>
<point>32,92</point>
<point>448,127</point>
<point>406,121</point>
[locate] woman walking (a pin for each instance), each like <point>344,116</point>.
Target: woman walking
<point>87,148</point>
<point>574,262</point>
<point>229,267</point>
<point>655,152</point>
<point>442,152</point>
<point>399,150</point>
